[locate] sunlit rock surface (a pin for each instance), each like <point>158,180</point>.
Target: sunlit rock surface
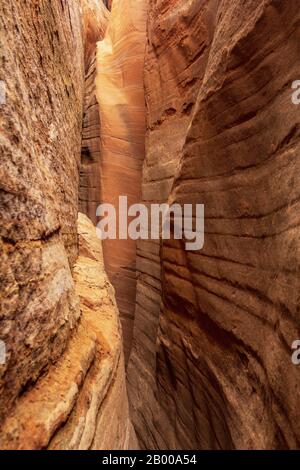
<point>100,418</point>
<point>120,93</point>
<point>210,348</point>
<point>211,361</point>
<point>95,16</point>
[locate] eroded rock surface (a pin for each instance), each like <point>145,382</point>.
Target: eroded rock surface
<point>120,93</point>
<point>40,138</point>
<point>95,16</point>
<point>95,19</point>
<point>211,361</point>
<point>81,403</point>
<point>63,383</point>
<point>100,418</point>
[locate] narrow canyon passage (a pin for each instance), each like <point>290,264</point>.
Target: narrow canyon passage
<point>120,93</point>
<point>143,344</point>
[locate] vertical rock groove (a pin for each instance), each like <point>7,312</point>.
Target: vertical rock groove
<point>120,93</point>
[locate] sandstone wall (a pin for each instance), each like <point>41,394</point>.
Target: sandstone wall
<point>209,333</point>
<point>120,93</point>
<point>95,20</point>
<point>100,416</point>
<point>40,138</point>
<point>82,402</point>
<point>211,360</point>
<point>95,16</point>
<point>63,383</point>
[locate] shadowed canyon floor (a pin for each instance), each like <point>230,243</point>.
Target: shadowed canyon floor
<point>124,344</point>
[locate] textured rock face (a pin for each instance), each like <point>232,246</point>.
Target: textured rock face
<point>211,360</point>
<point>82,402</point>
<point>120,93</point>
<point>40,137</point>
<point>95,17</point>
<point>63,383</point>
<point>90,168</point>
<point>100,418</point>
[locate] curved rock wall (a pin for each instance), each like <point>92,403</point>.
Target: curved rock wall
<point>62,385</point>
<point>82,402</point>
<point>95,16</point>
<point>209,333</point>
<point>120,93</point>
<point>211,360</point>
<point>40,138</point>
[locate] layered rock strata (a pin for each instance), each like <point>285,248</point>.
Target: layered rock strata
<point>95,20</point>
<point>120,93</point>
<point>90,168</point>
<point>62,384</point>
<point>211,360</point>
<point>95,17</point>
<point>82,402</point>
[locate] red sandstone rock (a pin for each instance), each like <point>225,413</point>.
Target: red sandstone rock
<point>95,19</point>
<point>210,364</point>
<point>211,360</point>
<point>63,383</point>
<point>120,93</point>
<point>81,403</point>
<point>40,137</point>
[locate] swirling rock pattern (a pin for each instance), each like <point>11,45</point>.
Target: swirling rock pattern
<point>63,382</point>
<point>208,334</point>
<point>211,360</point>
<point>95,16</point>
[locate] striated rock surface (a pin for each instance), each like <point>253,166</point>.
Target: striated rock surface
<point>95,16</point>
<point>108,3</point>
<point>40,137</point>
<point>208,333</point>
<point>81,403</point>
<point>120,93</point>
<point>90,168</point>
<point>63,382</point>
<point>211,363</point>
<point>100,417</point>
<point>95,19</point>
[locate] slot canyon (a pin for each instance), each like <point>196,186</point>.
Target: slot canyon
<point>142,344</point>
